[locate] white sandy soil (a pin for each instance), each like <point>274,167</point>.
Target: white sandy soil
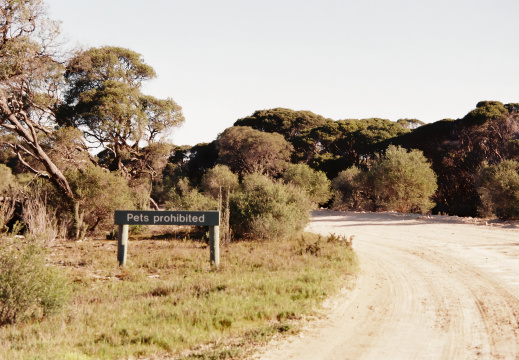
<point>431,287</point>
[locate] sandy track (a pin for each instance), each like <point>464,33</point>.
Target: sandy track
<point>430,288</point>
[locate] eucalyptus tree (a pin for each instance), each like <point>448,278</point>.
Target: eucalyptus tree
<point>99,96</point>
<point>104,99</point>
<point>30,79</point>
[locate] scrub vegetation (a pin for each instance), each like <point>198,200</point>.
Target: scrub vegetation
<point>169,301</point>
<point>264,174</point>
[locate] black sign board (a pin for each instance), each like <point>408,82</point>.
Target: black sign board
<point>139,217</point>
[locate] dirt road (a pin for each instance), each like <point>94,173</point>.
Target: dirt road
<point>430,288</point>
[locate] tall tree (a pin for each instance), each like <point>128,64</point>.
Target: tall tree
<point>29,84</point>
<point>104,99</point>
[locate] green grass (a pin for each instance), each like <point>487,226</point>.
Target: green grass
<point>168,301</point>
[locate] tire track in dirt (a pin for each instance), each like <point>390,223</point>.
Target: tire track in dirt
<point>499,309</point>
<point>428,289</point>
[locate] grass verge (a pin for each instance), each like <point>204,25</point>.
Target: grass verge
<point>168,303</point>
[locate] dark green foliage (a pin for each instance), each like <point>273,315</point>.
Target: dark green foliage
<point>98,193</point>
<point>457,148</point>
<point>327,145</point>
<point>350,141</point>
<point>314,183</point>
<point>267,209</point>
<point>246,150</point>
<point>191,168</point>
<point>499,190</point>
<point>28,288</point>
<point>202,157</point>
<point>403,181</point>
<point>399,181</point>
<point>328,163</point>
<point>485,111</point>
<point>191,162</point>
<point>104,100</point>
<point>454,148</point>
<point>286,122</point>
<point>352,190</point>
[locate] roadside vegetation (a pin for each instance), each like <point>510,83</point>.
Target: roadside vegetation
<point>265,174</point>
<point>169,301</point>
<point>397,181</point>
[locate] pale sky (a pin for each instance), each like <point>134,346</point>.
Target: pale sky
<point>221,60</point>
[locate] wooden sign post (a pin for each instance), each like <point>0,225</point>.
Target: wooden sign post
<point>124,218</point>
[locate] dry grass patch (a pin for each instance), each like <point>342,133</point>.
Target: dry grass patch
<point>168,302</point>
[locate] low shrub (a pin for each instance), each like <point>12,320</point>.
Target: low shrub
<point>98,193</point>
<point>315,183</point>
<point>400,180</point>
<point>352,190</point>
<point>266,209</point>
<point>28,288</point>
<point>403,181</point>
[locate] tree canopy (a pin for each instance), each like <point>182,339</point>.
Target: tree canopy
<point>246,150</point>
<point>458,148</point>
<point>51,115</point>
<point>104,99</point>
<point>54,109</point>
<point>287,122</point>
<point>30,79</point>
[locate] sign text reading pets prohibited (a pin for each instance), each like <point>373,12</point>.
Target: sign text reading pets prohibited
<point>138,217</point>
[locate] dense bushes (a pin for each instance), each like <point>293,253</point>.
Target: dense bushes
<point>98,193</point>
<point>182,196</point>
<point>28,288</point>
<point>314,183</point>
<point>398,181</point>
<point>403,181</point>
<point>291,147</point>
<point>267,209</point>
<point>499,190</point>
<point>351,190</point>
